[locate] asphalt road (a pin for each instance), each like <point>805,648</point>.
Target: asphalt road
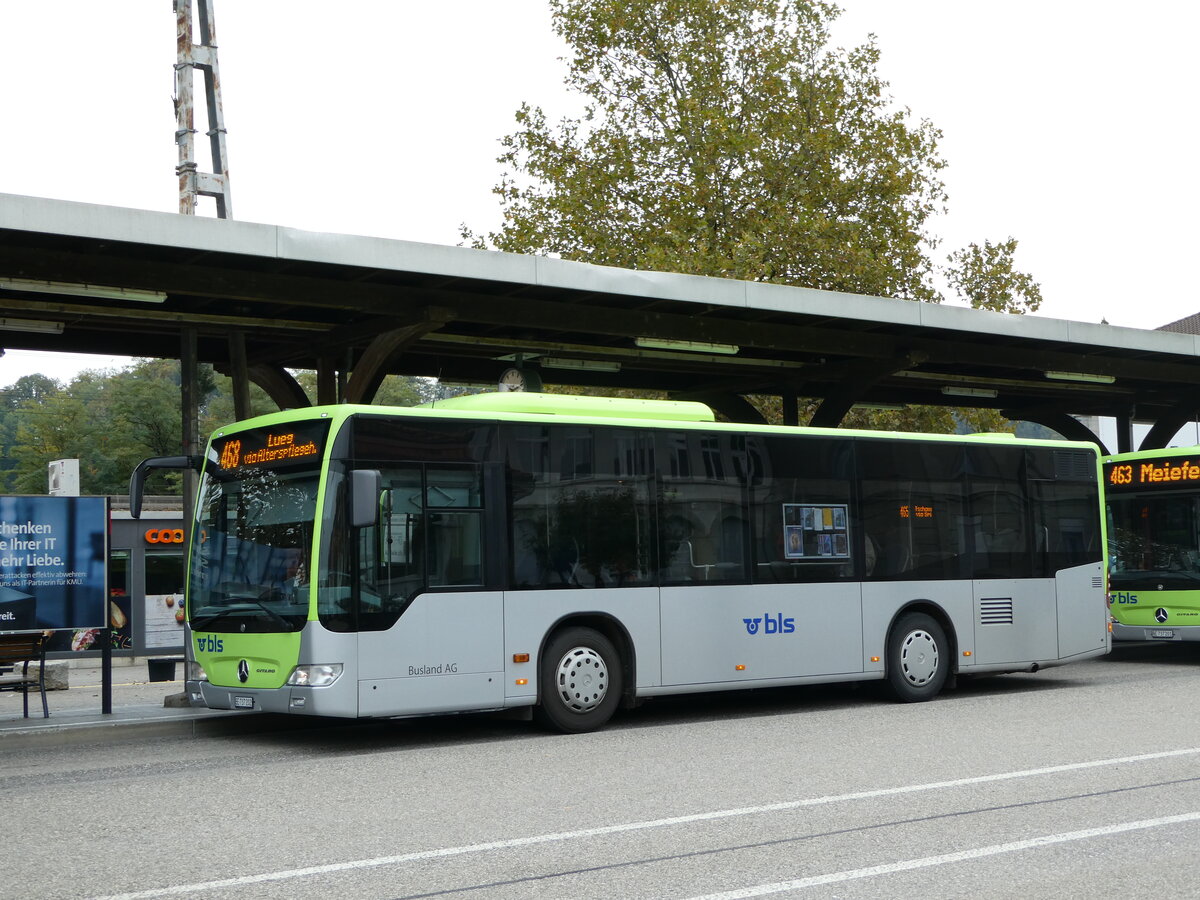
<point>1078,781</point>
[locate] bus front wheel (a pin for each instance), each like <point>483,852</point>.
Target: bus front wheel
<point>580,681</point>
<point>917,658</point>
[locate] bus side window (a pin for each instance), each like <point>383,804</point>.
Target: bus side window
<point>704,529</point>
<point>913,506</point>
<point>454,503</point>
<point>390,561</point>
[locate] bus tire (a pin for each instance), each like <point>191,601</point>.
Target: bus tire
<point>917,658</point>
<point>580,681</point>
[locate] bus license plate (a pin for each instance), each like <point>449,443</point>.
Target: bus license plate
<point>1163,634</point>
<point>243,703</point>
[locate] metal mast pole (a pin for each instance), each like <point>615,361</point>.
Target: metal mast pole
<point>202,56</point>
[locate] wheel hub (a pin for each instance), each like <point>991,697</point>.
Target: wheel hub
<point>919,657</point>
<point>582,679</point>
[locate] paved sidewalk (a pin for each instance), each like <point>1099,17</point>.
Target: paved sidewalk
<point>138,705</point>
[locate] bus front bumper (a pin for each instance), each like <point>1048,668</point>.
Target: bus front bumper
<point>1156,633</point>
<point>292,700</point>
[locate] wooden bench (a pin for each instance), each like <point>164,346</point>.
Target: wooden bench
<point>18,650</point>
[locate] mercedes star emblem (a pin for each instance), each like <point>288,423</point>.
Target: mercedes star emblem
<point>243,671</point>
<point>1160,614</point>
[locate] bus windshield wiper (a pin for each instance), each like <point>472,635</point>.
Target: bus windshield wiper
<point>245,605</point>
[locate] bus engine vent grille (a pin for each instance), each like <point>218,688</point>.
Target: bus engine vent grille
<point>996,611</point>
<point>1074,465</point>
<point>1097,581</point>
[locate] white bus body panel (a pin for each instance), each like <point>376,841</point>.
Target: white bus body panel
<point>770,629</point>
<point>1082,612</point>
<point>529,616</point>
<point>454,651</point>
<point>1015,620</point>
<point>882,600</point>
<point>445,654</point>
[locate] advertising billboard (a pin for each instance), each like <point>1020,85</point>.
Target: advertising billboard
<point>52,562</point>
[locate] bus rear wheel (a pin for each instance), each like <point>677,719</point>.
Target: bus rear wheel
<point>579,681</point>
<point>917,661</point>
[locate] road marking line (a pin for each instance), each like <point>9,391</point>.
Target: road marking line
<point>532,840</point>
<point>763,890</point>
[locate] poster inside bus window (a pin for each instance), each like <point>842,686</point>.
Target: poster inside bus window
<point>815,533</point>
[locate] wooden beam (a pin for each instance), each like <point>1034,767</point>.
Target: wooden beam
<point>371,367</point>
<point>280,386</point>
<point>1066,425</point>
<point>327,382</point>
<point>856,378</point>
<point>1168,424</point>
<point>239,374</point>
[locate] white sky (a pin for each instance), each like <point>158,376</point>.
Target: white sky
<point>1066,123</point>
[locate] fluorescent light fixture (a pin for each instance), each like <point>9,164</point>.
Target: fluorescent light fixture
<point>1081,376</point>
<point>889,406</point>
<point>952,391</point>
<point>588,365</point>
<point>103,292</point>
<point>39,326</point>
<point>689,346</point>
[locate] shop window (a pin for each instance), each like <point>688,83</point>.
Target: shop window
<point>120,612</point>
<point>164,600</point>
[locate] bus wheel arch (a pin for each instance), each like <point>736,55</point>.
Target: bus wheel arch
<point>920,655</point>
<point>598,652</point>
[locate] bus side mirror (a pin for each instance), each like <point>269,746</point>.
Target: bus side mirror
<point>137,481</point>
<point>365,487</point>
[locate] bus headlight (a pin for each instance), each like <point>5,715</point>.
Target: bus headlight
<point>195,671</point>
<point>315,676</point>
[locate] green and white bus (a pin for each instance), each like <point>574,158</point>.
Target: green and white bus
<point>1153,503</point>
<point>572,555</point>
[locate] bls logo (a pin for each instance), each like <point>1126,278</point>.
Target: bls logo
<point>206,643</point>
<point>1122,597</point>
<point>770,624</point>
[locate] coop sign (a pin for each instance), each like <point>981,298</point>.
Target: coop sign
<point>164,536</point>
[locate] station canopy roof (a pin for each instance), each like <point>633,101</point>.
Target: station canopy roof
<point>93,279</point>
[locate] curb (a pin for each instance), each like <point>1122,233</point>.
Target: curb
<point>208,724</point>
<point>74,734</point>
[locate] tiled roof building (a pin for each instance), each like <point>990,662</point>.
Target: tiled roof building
<point>1187,325</point>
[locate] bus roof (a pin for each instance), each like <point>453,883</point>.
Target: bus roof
<point>574,405</point>
<point>1152,454</point>
<point>529,406</point>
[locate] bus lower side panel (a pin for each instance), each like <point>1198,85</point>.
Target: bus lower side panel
<point>463,651</point>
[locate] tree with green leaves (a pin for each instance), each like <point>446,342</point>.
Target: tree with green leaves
<point>985,276</point>
<point>728,138</point>
<point>31,389</point>
<point>111,420</point>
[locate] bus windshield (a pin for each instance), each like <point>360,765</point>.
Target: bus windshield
<point>1154,542</point>
<point>251,556</point>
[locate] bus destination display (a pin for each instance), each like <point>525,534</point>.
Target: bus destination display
<point>1152,473</point>
<point>270,447</point>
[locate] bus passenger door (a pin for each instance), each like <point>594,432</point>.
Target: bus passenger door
<point>438,646</point>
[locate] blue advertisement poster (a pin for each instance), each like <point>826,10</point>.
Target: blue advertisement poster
<point>52,562</point>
